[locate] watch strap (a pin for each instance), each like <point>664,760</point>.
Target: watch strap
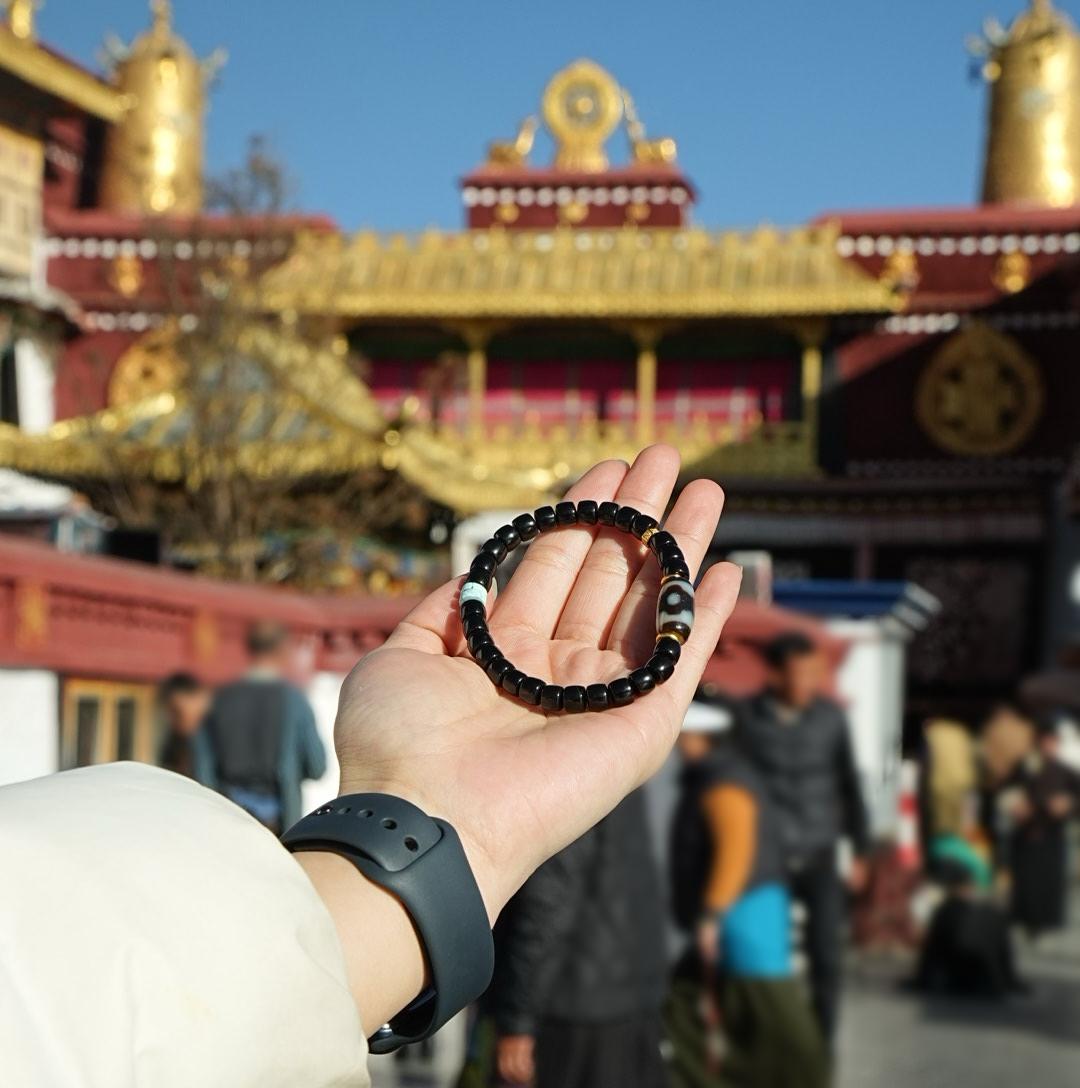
<point>420,860</point>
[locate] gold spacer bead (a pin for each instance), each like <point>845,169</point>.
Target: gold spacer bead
<point>649,534</point>
<point>672,578</point>
<point>676,635</point>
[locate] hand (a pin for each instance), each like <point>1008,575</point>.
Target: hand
<point>420,719</point>
<point>708,940</point>
<point>514,1058</point>
<point>858,876</point>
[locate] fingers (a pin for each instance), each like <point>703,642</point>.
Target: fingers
<point>692,522</point>
<point>579,774</point>
<point>433,625</point>
<point>615,558</point>
<point>536,594</point>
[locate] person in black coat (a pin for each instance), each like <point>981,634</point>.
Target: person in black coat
<point>801,745</point>
<point>580,968</point>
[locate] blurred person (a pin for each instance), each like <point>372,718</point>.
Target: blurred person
<point>581,964</point>
<point>729,895</point>
<point>260,736</point>
<point>184,701</point>
<point>1034,804</point>
<point>800,743</point>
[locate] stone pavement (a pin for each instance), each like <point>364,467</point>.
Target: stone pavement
<point>893,1039</point>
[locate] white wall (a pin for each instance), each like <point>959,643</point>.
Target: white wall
<point>35,381</point>
<point>871,683</point>
<point>29,724</point>
<point>323,694</point>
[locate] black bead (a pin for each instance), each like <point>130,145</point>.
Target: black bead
<point>509,536</point>
<point>642,524</point>
<point>661,540</point>
<point>480,573</point>
<point>487,653</point>
<point>473,608</point>
<point>643,680</point>
<point>526,526</point>
<point>485,561</point>
<point>621,691</point>
<point>574,699</point>
<point>565,513</point>
<point>678,569</point>
<point>551,698</point>
<point>498,668</point>
<point>670,552</point>
<point>586,512</point>
<point>606,511</point>
<point>529,690</point>
<point>661,666</point>
<point>678,628</point>
<point>473,624</point>
<point>478,637</point>
<point>625,518</point>
<point>511,681</point>
<point>669,646</point>
<point>545,518</point>
<point>597,696</point>
<point>495,548</point>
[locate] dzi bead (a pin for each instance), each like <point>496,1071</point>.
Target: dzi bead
<point>675,608</point>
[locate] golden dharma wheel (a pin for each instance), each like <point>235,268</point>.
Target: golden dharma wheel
<point>1033,149</point>
<point>582,106</point>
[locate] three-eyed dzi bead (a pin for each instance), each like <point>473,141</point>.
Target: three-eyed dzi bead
<point>675,608</point>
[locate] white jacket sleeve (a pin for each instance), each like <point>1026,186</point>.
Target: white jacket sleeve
<point>153,935</point>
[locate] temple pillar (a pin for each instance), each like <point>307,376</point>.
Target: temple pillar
<point>646,338</point>
<point>811,336</point>
<point>476,336</point>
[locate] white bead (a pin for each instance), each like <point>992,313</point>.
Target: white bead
<point>474,591</point>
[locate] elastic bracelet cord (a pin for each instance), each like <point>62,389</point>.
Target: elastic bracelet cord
<point>674,607</point>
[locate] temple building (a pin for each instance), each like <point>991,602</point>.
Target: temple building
<point>885,395</point>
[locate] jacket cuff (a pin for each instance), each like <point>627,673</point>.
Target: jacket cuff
<point>514,1022</point>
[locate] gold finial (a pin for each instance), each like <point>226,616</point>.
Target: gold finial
<point>513,152</point>
<point>153,155</point>
<point>1033,137</point>
<point>21,15</point>
<point>162,13</point>
<point>644,150</point>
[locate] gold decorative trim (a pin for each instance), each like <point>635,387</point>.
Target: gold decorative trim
<point>24,58</point>
<point>574,273</point>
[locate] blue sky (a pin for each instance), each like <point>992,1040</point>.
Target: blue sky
<point>782,108</point>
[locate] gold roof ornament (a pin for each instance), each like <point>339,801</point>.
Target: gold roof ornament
<point>21,18</point>
<point>154,155</point>
<point>662,150</point>
<point>567,273</point>
<point>582,106</point>
<point>1033,138</point>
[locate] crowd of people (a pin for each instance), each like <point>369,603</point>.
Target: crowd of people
<point>582,995</point>
<point>253,740</point>
<point>996,809</point>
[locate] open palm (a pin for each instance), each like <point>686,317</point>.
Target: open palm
<point>419,718</point>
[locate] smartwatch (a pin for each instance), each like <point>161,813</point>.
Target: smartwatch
<point>420,860</point>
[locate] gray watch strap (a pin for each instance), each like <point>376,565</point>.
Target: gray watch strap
<point>421,861</point>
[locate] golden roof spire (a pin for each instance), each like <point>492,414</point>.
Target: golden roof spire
<point>153,155</point>
<point>1033,138</point>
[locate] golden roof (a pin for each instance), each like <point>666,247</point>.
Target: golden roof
<point>624,273</point>
<point>21,55</point>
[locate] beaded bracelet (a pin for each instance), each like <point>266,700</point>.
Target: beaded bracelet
<point>674,607</point>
